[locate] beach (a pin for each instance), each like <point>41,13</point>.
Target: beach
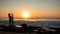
<point>30,26</point>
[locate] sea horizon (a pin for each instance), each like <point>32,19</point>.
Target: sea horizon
<point>33,22</point>
<point>36,19</point>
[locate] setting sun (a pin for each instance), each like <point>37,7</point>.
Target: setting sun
<point>25,15</point>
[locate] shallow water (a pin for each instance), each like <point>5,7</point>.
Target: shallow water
<point>33,22</point>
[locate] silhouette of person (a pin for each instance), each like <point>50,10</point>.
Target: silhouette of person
<point>9,19</point>
<point>12,19</point>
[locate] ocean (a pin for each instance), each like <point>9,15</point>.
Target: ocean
<point>33,22</point>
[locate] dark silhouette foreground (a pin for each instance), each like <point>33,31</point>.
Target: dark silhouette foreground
<point>29,29</point>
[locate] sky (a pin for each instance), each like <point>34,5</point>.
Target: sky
<point>36,8</point>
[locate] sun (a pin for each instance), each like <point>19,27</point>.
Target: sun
<point>25,15</point>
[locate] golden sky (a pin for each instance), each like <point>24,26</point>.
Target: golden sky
<point>35,8</point>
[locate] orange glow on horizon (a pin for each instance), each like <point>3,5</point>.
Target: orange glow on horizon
<point>30,14</point>
<point>25,14</point>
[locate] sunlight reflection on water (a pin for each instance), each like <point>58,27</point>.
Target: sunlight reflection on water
<point>38,19</point>
<point>34,22</point>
